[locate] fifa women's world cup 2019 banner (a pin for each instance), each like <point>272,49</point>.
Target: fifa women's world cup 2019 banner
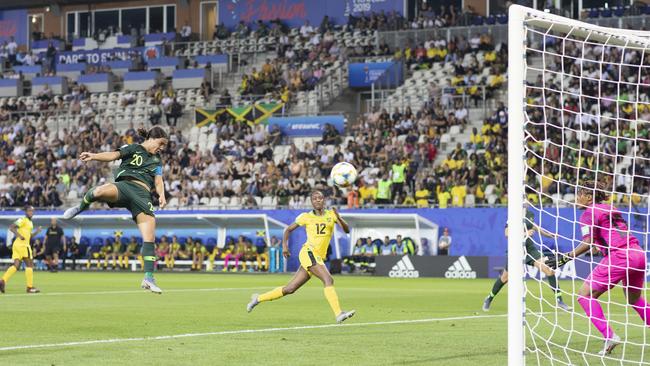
<point>295,12</point>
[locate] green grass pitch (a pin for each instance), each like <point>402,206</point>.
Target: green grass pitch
<point>105,319</point>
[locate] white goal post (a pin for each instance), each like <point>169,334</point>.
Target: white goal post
<point>581,91</point>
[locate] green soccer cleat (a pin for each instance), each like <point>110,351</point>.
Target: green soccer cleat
<point>254,302</point>
<point>345,315</point>
<point>150,284</point>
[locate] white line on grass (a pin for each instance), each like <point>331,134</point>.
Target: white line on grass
<point>199,290</point>
<point>133,291</point>
<point>241,331</point>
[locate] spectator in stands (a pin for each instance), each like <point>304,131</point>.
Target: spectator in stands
<point>29,59</point>
<point>383,196</point>
<point>306,29</point>
<point>398,177</point>
<point>331,135</point>
<point>174,110</point>
<point>221,32</point>
<point>12,50</point>
<point>186,32</point>
<point>444,242</point>
<point>50,57</point>
<point>155,113</point>
<point>422,195</point>
<point>242,30</point>
<point>206,90</point>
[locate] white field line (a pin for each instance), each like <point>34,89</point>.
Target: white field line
<point>241,331</point>
<point>131,291</point>
<point>209,290</point>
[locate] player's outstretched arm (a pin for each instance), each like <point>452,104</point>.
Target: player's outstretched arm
<point>344,225</point>
<point>545,232</point>
<point>103,156</point>
<point>37,231</point>
<point>285,239</point>
<point>561,259</point>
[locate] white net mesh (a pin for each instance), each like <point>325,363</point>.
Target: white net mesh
<point>587,117</point>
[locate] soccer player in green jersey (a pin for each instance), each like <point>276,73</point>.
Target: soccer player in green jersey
<point>533,258</point>
<point>139,173</point>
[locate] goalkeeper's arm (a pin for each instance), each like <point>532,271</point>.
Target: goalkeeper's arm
<point>561,259</point>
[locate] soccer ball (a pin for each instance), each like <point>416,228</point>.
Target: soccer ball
<point>343,174</point>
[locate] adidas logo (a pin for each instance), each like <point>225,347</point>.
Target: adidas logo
<point>404,269</point>
<point>460,269</point>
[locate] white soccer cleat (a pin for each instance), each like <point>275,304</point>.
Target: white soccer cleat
<point>71,212</point>
<point>610,344</point>
<point>345,315</point>
<point>251,305</point>
<point>150,284</point>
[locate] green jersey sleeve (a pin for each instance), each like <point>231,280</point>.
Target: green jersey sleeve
<point>126,150</point>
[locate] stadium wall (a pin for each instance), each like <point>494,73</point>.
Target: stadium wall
<point>474,231</point>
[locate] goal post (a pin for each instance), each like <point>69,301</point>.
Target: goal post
<point>578,110</point>
<point>516,169</point>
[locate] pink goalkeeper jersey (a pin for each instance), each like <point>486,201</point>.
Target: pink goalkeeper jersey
<point>605,224</point>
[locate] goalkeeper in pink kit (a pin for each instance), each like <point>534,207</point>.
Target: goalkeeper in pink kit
<point>604,229</point>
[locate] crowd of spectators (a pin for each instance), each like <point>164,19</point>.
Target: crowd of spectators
<point>394,151</point>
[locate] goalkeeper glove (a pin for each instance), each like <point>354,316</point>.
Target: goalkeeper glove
<point>558,260</point>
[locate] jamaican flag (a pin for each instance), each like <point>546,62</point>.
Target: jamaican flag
<point>251,114</point>
<point>203,117</point>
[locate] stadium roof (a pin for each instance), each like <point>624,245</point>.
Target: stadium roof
<point>14,4</point>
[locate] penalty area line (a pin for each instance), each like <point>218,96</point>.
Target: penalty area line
<point>241,331</point>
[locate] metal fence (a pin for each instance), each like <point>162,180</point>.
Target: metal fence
<point>413,37</point>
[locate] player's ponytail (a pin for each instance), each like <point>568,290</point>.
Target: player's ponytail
<point>155,132</point>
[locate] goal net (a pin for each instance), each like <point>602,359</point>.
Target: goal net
<point>579,111</point>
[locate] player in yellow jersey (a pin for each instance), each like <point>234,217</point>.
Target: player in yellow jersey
<point>23,229</point>
<point>319,225</point>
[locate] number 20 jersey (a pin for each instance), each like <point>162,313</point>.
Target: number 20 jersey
<point>139,164</point>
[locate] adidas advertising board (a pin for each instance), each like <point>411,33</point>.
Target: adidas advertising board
<point>406,266</point>
<point>404,269</point>
<point>460,269</point>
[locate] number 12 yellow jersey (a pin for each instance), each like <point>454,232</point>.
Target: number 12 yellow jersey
<point>319,230</point>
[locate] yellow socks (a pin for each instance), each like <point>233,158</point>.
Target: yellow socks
<point>333,299</point>
<point>274,294</point>
<point>29,276</point>
<point>10,272</point>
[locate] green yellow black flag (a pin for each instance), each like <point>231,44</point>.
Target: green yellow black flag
<point>203,117</point>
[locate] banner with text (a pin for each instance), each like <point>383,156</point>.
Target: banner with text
<point>100,56</point>
<point>307,126</point>
<point>362,75</point>
<point>295,12</point>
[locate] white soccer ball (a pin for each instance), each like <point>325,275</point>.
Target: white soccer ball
<point>344,174</point>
